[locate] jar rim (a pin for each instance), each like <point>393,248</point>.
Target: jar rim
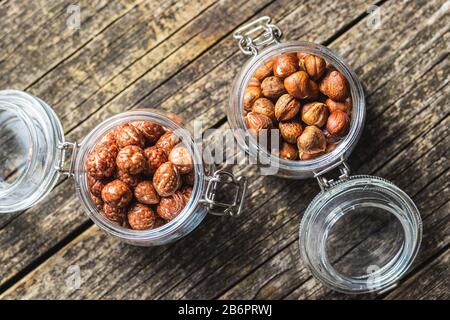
<point>251,146</point>
<point>45,135</point>
<point>80,175</point>
<point>388,274</point>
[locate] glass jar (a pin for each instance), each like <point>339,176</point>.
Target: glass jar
<point>333,219</point>
<point>35,157</point>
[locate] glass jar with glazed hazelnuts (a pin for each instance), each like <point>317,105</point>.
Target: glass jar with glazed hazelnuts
<point>138,175</point>
<point>299,107</point>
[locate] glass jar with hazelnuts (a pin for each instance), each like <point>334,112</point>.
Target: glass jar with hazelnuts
<point>138,175</point>
<point>301,108</point>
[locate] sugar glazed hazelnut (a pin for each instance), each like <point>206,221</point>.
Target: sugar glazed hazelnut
<point>307,99</point>
<point>128,183</point>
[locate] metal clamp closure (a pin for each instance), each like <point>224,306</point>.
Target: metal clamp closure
<point>256,34</point>
<point>219,178</point>
<point>325,183</point>
<point>63,148</point>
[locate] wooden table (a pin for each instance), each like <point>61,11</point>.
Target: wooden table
<point>180,56</point>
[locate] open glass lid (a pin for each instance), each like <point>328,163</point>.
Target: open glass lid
<point>31,136</point>
<point>360,234</point>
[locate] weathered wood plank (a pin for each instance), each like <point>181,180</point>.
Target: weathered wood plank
<point>53,235</point>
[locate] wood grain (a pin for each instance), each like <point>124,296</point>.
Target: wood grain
<point>186,64</point>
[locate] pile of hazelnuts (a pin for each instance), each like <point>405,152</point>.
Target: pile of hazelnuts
<point>307,99</point>
<point>140,175</point>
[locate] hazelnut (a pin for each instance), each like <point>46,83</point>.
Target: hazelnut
<point>290,130</point>
<point>182,159</point>
<point>129,179</point>
<point>189,178</point>
<point>273,87</point>
<point>257,122</point>
<point>155,157</point>
<point>117,194</point>
<point>286,107</point>
<point>285,65</point>
<point>315,114</point>
<point>338,123</point>
<point>101,164</point>
<point>264,106</point>
<point>131,159</point>
<point>300,86</point>
<point>309,156</point>
<point>314,66</point>
<point>141,217</point>
<point>330,138</point>
<point>167,179</point>
<point>330,147</point>
<point>170,207</point>
<point>301,55</point>
<point>128,135</point>
<point>264,71</point>
<point>345,106</point>
<point>167,141</point>
<point>159,222</point>
<point>97,201</point>
<point>146,193</point>
<point>251,94</point>
<point>288,151</point>
<point>150,130</point>
<point>96,186</point>
<point>108,141</point>
<point>334,85</point>
<point>114,214</point>
<point>254,82</point>
<point>312,140</point>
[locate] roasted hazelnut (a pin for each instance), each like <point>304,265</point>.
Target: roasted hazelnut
<point>108,141</point>
<point>167,141</point>
<point>101,164</point>
<point>141,217</point>
<point>273,87</point>
<point>251,94</point>
<point>170,207</point>
<point>167,179</point>
<point>159,222</point>
<point>330,147</point>
<point>257,122</point>
<point>334,85</point>
<point>300,86</point>
<point>312,140</point>
<point>97,201</point>
<point>264,71</point>
<point>131,159</point>
<point>285,65</point>
<point>150,130</point>
<point>288,151</point>
<point>146,193</point>
<point>286,107</point>
<point>314,66</point>
<point>182,159</point>
<point>128,135</point>
<point>315,114</point>
<point>95,185</point>
<point>264,106</point>
<point>254,82</point>
<point>309,156</point>
<point>189,178</point>
<point>114,214</point>
<point>338,123</point>
<point>117,194</point>
<point>345,106</point>
<point>301,55</point>
<point>130,179</point>
<point>155,157</point>
<point>330,138</point>
<point>290,130</point>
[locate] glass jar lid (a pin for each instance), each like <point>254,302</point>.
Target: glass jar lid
<point>360,234</point>
<point>30,134</point>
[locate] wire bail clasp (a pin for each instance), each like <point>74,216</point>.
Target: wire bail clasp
<point>232,208</point>
<point>325,183</point>
<point>63,148</point>
<point>256,34</point>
